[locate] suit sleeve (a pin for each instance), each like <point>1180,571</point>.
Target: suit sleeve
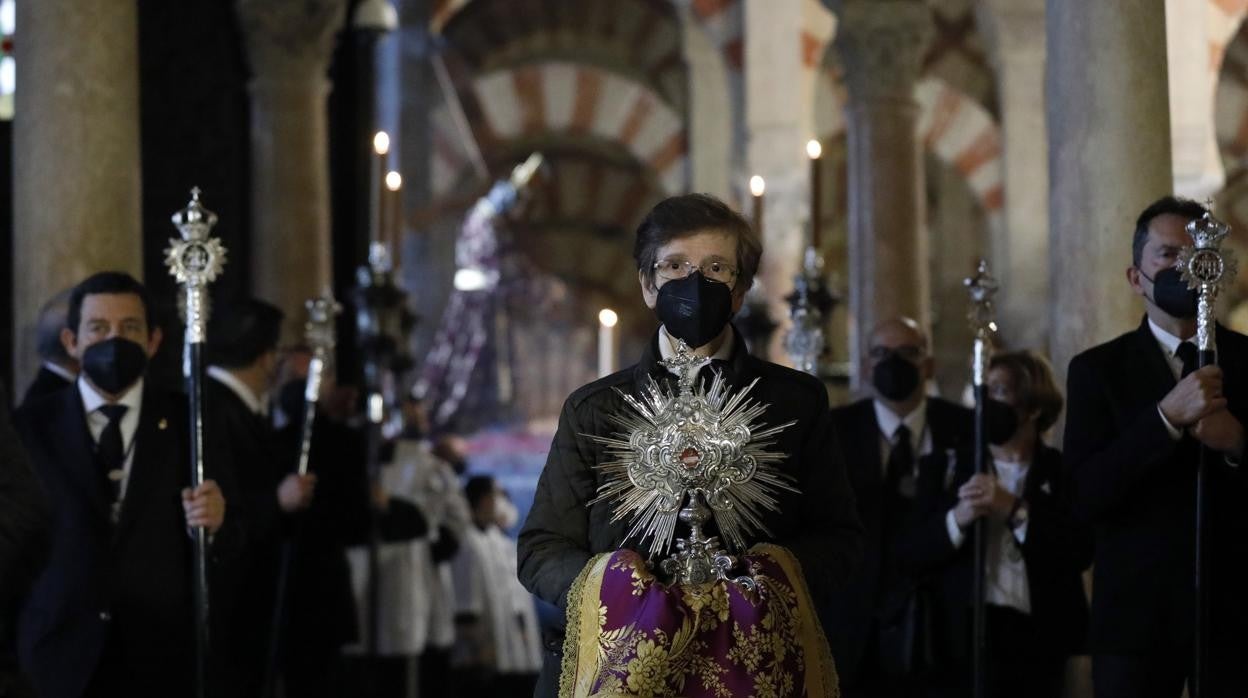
<point>830,545</point>
<point>924,545</point>
<point>553,546</point>
<point>1053,534</point>
<point>24,514</point>
<point>1107,464</point>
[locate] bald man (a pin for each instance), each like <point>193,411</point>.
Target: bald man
<point>883,437</point>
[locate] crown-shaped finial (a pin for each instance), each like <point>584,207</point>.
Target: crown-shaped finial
<point>196,259</point>
<point>319,329</point>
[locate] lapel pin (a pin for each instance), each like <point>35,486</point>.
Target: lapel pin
<point>163,424</point>
<point>1046,488</point>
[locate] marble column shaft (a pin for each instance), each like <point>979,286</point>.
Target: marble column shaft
<point>289,46</point>
<point>881,45</point>
<point>1019,248</point>
<point>1109,157</point>
<point>76,178</point>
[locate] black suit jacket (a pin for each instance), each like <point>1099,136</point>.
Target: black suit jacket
<point>849,616</point>
<point>45,382</point>
<point>125,590</point>
<point>1056,550</point>
<point>1136,485</point>
<point>820,525</point>
<point>24,524</point>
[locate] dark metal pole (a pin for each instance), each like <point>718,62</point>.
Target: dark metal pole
<point>1200,640</point>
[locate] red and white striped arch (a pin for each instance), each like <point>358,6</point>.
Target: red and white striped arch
<point>1222,20</point>
<point>568,98</point>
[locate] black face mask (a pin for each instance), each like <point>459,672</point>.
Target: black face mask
<point>895,378</point>
<point>114,364</point>
<point>694,309</point>
<point>1001,422</point>
<point>1171,294</point>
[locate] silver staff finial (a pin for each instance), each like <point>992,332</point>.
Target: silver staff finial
<point>981,287</point>
<point>1207,268</point>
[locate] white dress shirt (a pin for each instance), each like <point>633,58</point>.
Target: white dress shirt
<point>667,346</point>
<point>889,421</point>
<point>92,401</point>
<point>1006,572</point>
<point>61,371</point>
<point>239,388</point>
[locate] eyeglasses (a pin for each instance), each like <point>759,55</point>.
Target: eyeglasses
<point>908,352</point>
<point>676,269</point>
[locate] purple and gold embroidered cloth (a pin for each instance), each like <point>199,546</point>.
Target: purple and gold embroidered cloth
<point>630,635</point>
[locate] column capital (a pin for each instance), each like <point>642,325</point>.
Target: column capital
<point>290,39</point>
<point>1012,29</point>
<point>881,43</point>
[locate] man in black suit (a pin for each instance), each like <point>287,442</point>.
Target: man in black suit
<point>1139,413</point>
<point>24,523</point>
<point>242,355</point>
<point>112,614</point>
<point>58,369</point>
<point>882,438</point>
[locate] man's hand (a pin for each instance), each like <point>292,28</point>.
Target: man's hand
<point>979,496</point>
<point>204,507</point>
<point>381,498</point>
<point>1220,431</point>
<point>1195,397</point>
<point>295,492</point>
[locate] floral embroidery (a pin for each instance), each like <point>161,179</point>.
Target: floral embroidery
<point>696,641</point>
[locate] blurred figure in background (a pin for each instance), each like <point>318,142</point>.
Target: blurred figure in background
<point>57,369</point>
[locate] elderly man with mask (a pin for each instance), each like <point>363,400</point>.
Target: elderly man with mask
<point>696,259</point>
<point>883,437</point>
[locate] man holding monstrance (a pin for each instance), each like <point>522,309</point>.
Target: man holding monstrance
<point>692,505</point>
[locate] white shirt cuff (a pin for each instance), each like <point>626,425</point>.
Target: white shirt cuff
<point>1175,432</point>
<point>956,536</point>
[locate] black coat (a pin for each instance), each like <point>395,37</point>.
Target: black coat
<point>241,441</point>
<point>124,591</point>
<point>24,524</point>
<point>45,382</point>
<point>563,531</point>
<point>851,613</point>
<point>1136,485</point>
<point>1056,550</point>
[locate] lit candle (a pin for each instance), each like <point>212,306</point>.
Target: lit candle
<point>757,187</point>
<point>607,320</point>
<point>381,146</point>
<point>394,215</point>
<point>813,151</point>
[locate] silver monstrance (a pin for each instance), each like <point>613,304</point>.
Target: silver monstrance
<point>695,455</point>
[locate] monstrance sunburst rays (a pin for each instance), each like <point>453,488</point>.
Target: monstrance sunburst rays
<point>695,440</point>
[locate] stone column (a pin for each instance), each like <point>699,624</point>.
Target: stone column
<point>76,185</point>
<point>1109,157</point>
<point>289,46</point>
<point>1019,245</point>
<point>881,45</point>
<point>777,148</point>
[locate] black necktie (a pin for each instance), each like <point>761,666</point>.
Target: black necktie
<point>900,460</point>
<point>110,450</point>
<point>1190,357</point>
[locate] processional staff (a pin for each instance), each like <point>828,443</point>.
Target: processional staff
<point>318,332</point>
<point>1206,267</point>
<point>195,261</point>
<point>981,288</point>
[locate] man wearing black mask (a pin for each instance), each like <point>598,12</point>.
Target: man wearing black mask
<point>883,437</point>
<point>112,614</point>
<point>696,258</point>
<point>1139,413</point>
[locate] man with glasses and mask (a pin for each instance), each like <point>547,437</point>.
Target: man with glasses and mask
<point>1139,412</point>
<point>111,614</point>
<point>696,258</point>
<point>883,437</point>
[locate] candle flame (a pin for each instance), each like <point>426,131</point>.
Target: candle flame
<point>813,149</point>
<point>757,185</point>
<point>608,318</point>
<point>381,142</point>
<point>394,180</point>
